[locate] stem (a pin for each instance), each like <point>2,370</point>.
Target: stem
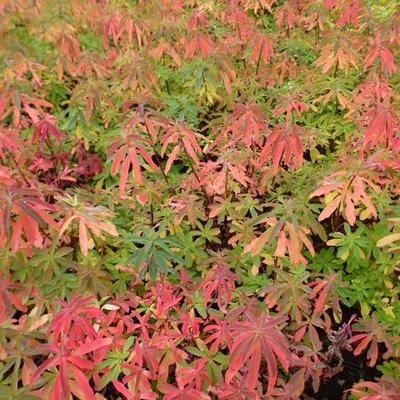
<point>208,201</point>
<point>226,183</point>
<point>161,167</point>
<point>258,62</point>
<point>151,214</point>
<point>336,69</point>
<point>18,167</point>
<point>137,39</point>
<point>96,244</point>
<point>241,46</point>
<point>193,170</point>
<point>158,156</point>
<point>252,169</point>
<point>273,181</point>
<point>61,10</point>
<point>50,147</point>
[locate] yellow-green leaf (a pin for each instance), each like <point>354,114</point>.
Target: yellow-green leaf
<point>388,239</point>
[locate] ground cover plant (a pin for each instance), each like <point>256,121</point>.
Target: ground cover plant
<point>199,199</point>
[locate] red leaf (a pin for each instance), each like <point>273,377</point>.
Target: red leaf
<point>171,158</point>
<point>83,238</point>
<point>257,336</point>
<point>92,346</point>
<point>83,383</point>
<point>123,390</point>
<point>329,209</point>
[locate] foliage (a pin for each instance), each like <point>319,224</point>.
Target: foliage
<point>193,194</point>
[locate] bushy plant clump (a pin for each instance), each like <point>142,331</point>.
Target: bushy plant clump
<point>199,199</point>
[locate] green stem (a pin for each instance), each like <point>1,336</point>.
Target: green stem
<point>336,69</point>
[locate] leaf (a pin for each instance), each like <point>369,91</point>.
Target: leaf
<point>83,383</point>
<point>283,145</point>
<point>388,240</point>
<point>329,209</point>
<point>254,338</point>
<point>262,49</point>
<point>171,158</point>
<point>24,215</point>
<point>92,346</point>
<point>221,280</point>
<point>123,390</point>
<point>88,218</point>
<point>83,239</point>
<point>256,245</point>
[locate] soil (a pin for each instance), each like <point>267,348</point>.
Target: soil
<point>353,370</point>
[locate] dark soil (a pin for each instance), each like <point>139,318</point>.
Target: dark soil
<point>352,371</point>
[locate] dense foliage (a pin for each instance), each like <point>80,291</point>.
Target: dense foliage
<point>199,199</point>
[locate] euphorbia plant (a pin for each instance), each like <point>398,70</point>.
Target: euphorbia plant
<point>195,196</point>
